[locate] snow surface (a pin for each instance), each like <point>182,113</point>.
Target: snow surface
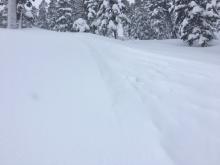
<point>87,100</point>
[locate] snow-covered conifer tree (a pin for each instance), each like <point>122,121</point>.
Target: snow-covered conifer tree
<point>78,9</point>
<point>35,15</point>
<point>110,17</point>
<point>3,13</point>
<point>64,16</point>
<point>25,13</point>
<point>52,14</point>
<point>140,27</point>
<point>218,10</point>
<point>197,20</point>
<point>91,7</point>
<point>160,19</point>
<point>42,16</point>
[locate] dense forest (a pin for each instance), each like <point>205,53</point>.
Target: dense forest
<point>193,21</point>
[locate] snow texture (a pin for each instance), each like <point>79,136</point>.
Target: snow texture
<point>80,25</point>
<point>87,100</point>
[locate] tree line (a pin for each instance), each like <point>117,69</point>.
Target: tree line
<point>193,21</point>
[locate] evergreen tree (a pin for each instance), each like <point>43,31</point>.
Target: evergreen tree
<point>3,13</point>
<point>78,9</point>
<point>140,27</point>
<point>64,16</point>
<point>25,13</point>
<point>218,10</point>
<point>175,29</point>
<point>152,19</point>
<point>127,22</point>
<point>197,20</point>
<point>35,15</point>
<point>91,7</point>
<point>123,27</point>
<point>110,17</point>
<point>160,19</point>
<point>52,14</point>
<point>42,16</point>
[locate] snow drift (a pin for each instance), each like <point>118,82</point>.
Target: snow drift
<point>87,100</point>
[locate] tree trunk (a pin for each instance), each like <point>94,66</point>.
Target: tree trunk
<point>12,14</point>
<point>115,34</point>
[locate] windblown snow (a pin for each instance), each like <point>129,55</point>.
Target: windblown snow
<point>81,99</point>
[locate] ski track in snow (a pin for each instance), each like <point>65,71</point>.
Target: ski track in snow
<point>153,78</point>
<point>100,101</point>
<point>133,111</point>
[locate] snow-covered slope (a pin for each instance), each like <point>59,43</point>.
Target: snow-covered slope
<point>81,99</point>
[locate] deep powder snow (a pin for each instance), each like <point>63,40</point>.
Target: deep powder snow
<point>82,99</point>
